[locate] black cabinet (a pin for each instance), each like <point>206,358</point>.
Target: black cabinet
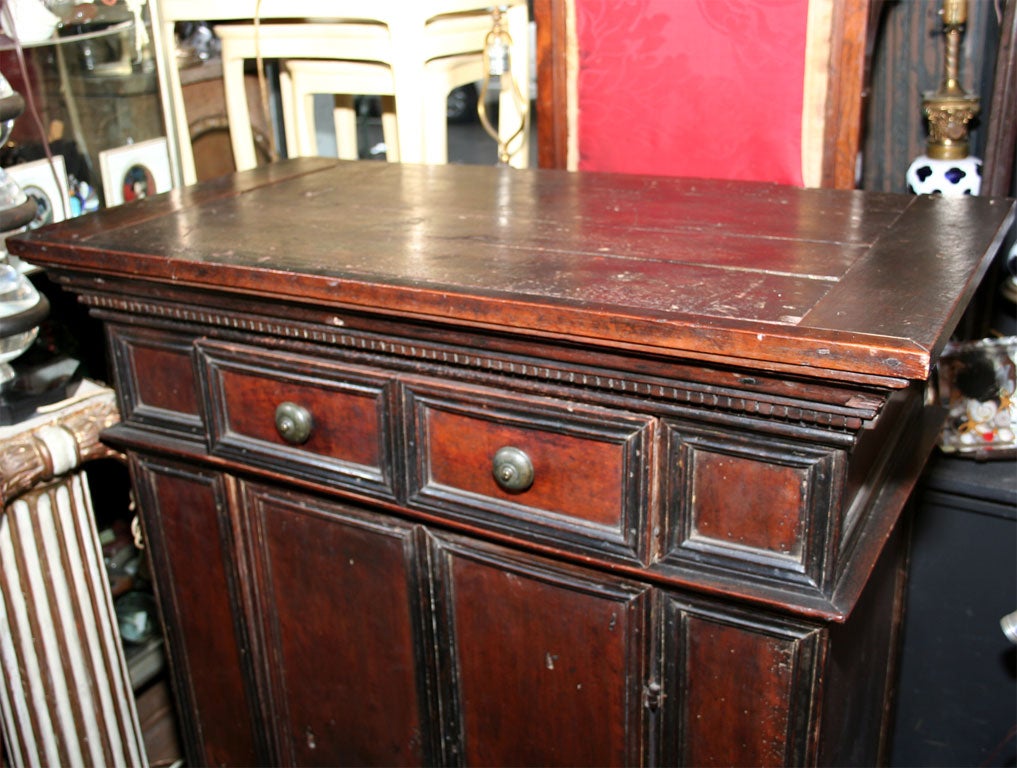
<point>957,695</point>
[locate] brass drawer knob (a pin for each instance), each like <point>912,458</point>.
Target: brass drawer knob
<point>512,469</point>
<point>293,423</point>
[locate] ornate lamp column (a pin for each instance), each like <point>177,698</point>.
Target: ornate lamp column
<point>946,167</point>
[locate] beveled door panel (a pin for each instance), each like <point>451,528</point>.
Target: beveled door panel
<point>544,665</point>
<point>740,688</point>
<point>340,606</point>
<point>191,544</point>
<point>760,508</point>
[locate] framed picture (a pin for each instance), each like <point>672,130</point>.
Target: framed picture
<point>135,171</point>
<point>47,185</point>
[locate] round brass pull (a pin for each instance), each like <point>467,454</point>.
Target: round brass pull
<point>293,423</point>
<point>512,469</point>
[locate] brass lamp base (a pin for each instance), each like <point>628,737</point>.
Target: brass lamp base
<point>948,115</point>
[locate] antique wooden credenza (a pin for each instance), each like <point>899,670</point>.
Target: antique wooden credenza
<point>464,465</point>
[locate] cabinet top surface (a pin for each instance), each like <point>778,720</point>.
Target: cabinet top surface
<point>811,281</point>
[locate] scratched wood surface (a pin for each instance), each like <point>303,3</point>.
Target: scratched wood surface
<point>834,282</point>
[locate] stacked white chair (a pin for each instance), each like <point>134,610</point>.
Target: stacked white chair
<point>413,50</point>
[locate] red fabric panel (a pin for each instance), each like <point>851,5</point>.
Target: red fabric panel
<point>709,88</point>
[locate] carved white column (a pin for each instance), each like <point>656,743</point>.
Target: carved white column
<point>66,697</point>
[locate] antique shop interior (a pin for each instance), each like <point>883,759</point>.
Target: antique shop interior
<point>527,382</point>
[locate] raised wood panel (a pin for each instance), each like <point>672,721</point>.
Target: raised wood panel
<point>193,550</point>
<point>751,505</point>
<point>547,665</point>
<point>591,466</point>
<point>339,594</point>
<point>685,593</point>
<point>754,706</point>
<point>157,383</point>
<point>350,435</point>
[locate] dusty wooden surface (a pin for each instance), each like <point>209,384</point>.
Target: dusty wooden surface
<point>829,283</point>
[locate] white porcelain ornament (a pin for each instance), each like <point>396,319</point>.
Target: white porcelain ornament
<point>950,178</point>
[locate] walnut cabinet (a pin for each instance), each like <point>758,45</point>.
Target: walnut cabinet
<point>471,466</point>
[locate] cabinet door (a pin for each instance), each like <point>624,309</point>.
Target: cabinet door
<point>542,664</point>
<point>192,547</point>
<point>740,687</point>
<point>341,622</point>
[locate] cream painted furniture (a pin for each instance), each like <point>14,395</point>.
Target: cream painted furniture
<point>406,24</point>
<point>66,696</point>
<point>301,79</point>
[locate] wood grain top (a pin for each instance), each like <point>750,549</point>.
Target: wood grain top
<point>820,282</point>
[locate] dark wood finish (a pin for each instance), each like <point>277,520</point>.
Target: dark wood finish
<point>607,453</point>
<point>191,545</point>
<point>850,50</point>
<point>647,287</point>
<point>720,389</point>
<point>552,83</point>
<point>1001,136</point>
<point>349,438</point>
<point>337,594</point>
<point>168,401</point>
<point>572,650</point>
<point>753,701</point>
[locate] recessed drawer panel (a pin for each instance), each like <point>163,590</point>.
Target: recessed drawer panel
<point>760,508</point>
<point>305,417</point>
<point>155,379</point>
<point>539,467</point>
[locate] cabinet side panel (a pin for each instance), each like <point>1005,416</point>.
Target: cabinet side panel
<point>861,672</point>
<point>187,527</point>
<point>548,664</point>
<point>342,621</point>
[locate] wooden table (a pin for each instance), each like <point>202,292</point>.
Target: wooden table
<point>468,465</point>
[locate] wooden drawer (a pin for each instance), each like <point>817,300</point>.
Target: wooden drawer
<point>155,380</point>
<point>763,509</point>
<point>259,400</point>
<point>590,468</point>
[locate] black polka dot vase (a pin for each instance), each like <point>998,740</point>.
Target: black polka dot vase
<point>950,178</point>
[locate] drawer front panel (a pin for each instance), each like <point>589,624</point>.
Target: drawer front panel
<point>589,467</point>
<point>155,379</point>
<point>253,393</point>
<point>760,508</point>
